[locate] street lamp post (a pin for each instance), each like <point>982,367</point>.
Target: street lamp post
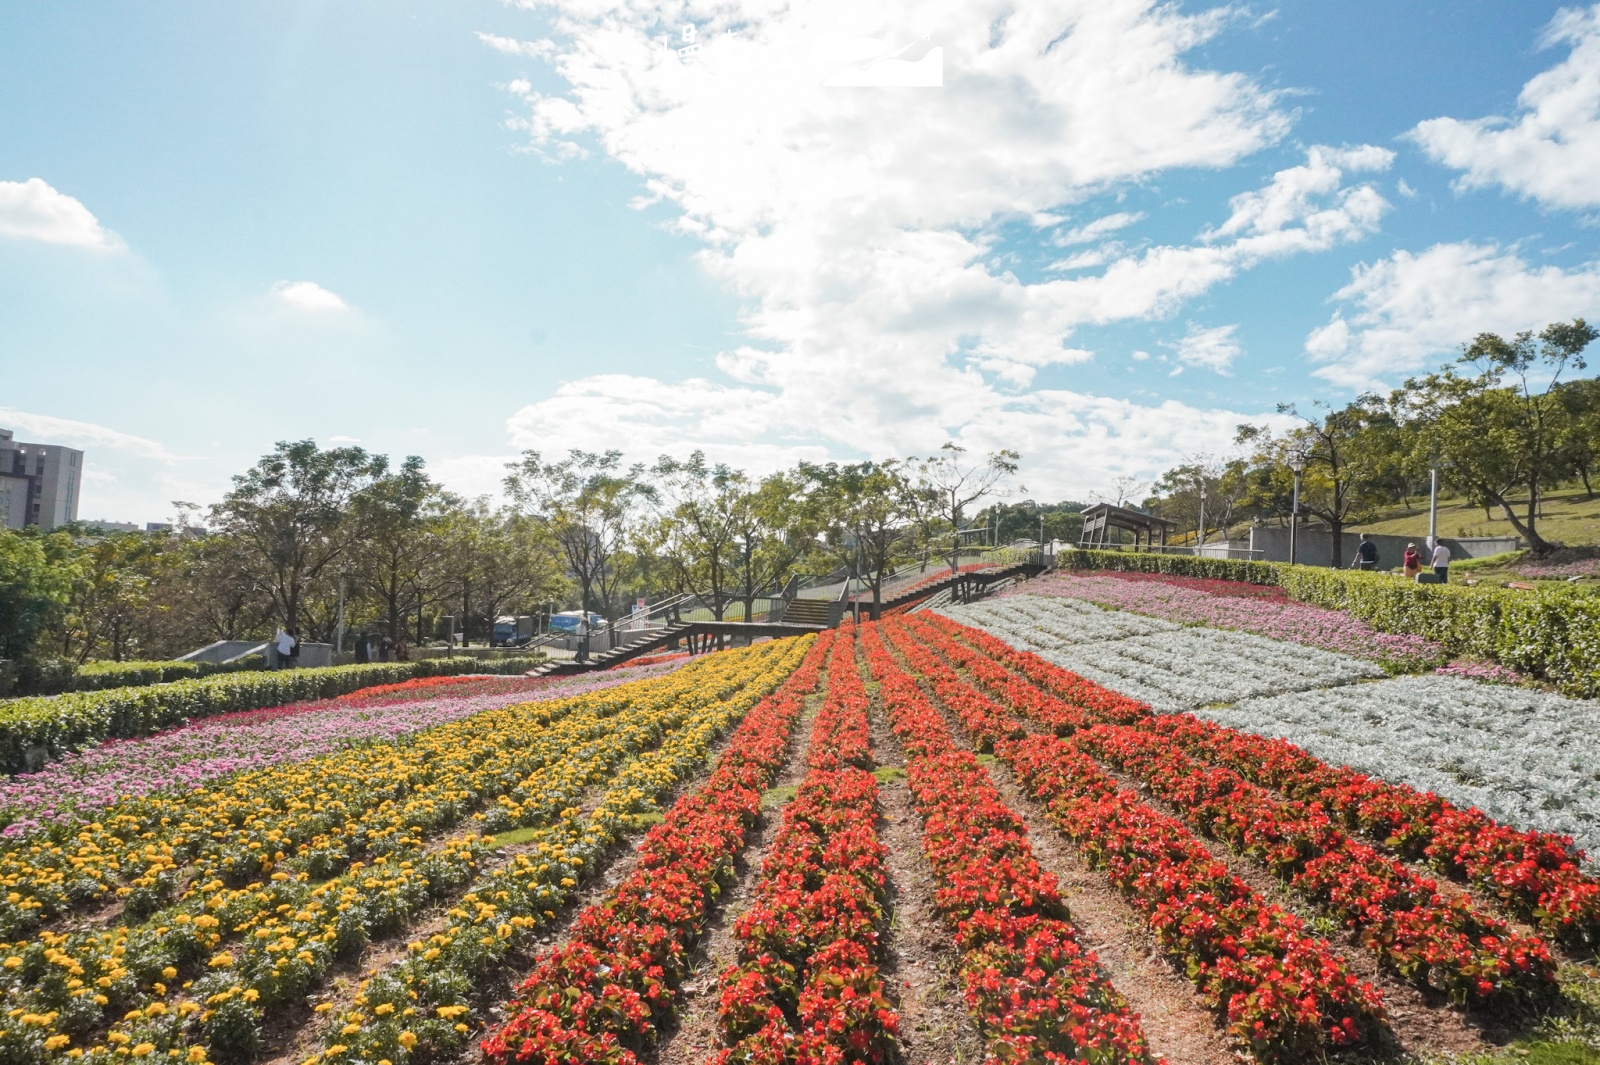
<point>1297,463</point>
<point>338,638</point>
<point>1202,535</point>
<point>1433,503</point>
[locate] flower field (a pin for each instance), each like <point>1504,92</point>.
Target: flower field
<point>439,872</point>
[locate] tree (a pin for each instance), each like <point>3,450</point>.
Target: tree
<point>500,561</point>
<point>36,575</point>
<point>865,515</point>
<point>1020,521</point>
<point>1505,429</point>
<point>697,530</point>
<point>299,511</point>
<point>957,483</point>
<point>407,515</point>
<point>777,528</point>
<point>1347,455</point>
<point>590,504</point>
<point>1175,495</point>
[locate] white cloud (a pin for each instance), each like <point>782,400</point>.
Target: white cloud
<point>1212,349</point>
<point>48,429</point>
<point>512,46</point>
<point>858,227</point>
<point>1412,311</point>
<point>32,210</point>
<point>1550,151</point>
<point>307,296</point>
<point>1099,229</point>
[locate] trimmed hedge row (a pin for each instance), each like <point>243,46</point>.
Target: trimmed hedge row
<point>99,676</point>
<point>1553,632</point>
<point>37,727</point>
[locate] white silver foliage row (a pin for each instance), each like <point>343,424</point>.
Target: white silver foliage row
<point>1171,667</point>
<point>1525,758</point>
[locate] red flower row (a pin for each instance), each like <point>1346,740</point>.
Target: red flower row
<point>601,996</point>
<point>807,987</point>
<point>1444,944</point>
<point>1534,875</point>
<point>1286,995</point>
<point>1037,993</point>
<point>1447,945</point>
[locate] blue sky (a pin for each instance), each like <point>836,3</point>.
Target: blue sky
<point>460,229</point>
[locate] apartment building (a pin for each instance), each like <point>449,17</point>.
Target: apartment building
<point>39,483</point>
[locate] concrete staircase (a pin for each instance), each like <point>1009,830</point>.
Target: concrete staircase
<point>806,612</point>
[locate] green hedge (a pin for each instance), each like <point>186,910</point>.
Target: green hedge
<point>55,723</point>
<point>98,676</point>
<point>1552,633</point>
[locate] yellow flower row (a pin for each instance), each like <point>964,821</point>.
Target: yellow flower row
<point>286,932</point>
<point>420,1005</point>
<point>236,828</point>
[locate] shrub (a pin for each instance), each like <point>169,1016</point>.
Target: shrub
<point>1552,633</point>
<point>31,728</point>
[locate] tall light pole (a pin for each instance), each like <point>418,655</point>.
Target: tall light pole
<point>338,639</point>
<point>1202,535</point>
<point>1297,463</point>
<point>1433,502</point>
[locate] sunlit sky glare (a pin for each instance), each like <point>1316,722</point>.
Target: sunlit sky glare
<point>1113,231</point>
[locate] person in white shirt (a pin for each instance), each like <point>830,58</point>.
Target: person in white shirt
<point>283,643</point>
<point>1441,562</point>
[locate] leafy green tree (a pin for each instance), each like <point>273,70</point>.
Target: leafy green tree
<point>1503,431</point>
<point>298,512</point>
<point>1347,455</point>
<point>407,514</point>
<point>867,522</point>
<point>36,576</point>
<point>955,483</point>
<point>697,530</point>
<point>1020,521</point>
<point>591,505</point>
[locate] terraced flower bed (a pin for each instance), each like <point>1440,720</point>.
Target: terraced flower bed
<point>394,879</point>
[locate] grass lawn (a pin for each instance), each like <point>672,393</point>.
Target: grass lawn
<point>1569,518</point>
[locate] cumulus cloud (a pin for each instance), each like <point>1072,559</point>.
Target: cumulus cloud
<point>48,429</point>
<point>1412,311</point>
<point>33,210</point>
<point>1550,150</point>
<point>307,296</point>
<point>1211,349</point>
<point>857,227</point>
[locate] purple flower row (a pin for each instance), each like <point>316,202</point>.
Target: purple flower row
<point>76,787</point>
<point>1331,630</point>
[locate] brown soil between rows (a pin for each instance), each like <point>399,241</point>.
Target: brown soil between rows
<point>921,963</point>
<point>1423,1022</point>
<point>696,1038</point>
<point>1176,1023</point>
<point>292,1035</point>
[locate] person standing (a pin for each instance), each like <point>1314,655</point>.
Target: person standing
<point>363,649</point>
<point>1441,562</point>
<point>385,649</point>
<point>283,644</point>
<point>1411,562</point>
<point>583,637</point>
<point>1366,553</point>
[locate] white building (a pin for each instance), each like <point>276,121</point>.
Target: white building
<point>38,483</point>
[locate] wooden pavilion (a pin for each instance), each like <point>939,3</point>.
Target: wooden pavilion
<point>1098,521</point>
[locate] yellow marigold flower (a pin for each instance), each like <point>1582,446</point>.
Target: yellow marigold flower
<point>221,961</point>
<point>350,1029</point>
<point>144,1050</point>
<point>13,962</point>
<point>408,1040</point>
<point>56,1042</point>
<point>169,973</point>
<point>322,1007</point>
<point>462,1028</point>
<point>383,1007</point>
